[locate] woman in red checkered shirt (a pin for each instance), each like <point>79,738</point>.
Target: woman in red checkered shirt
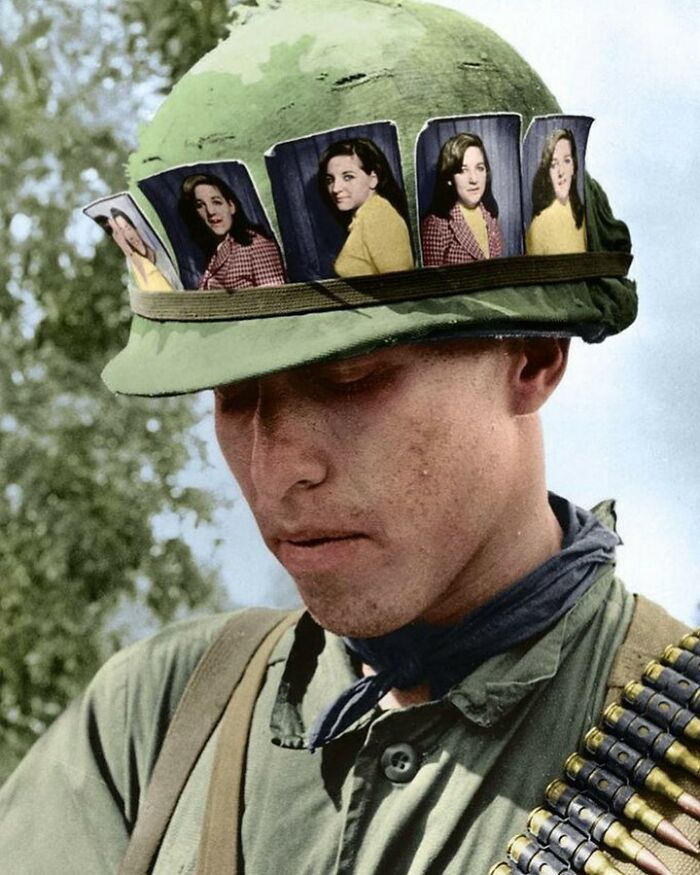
<point>240,255</point>
<point>462,224</point>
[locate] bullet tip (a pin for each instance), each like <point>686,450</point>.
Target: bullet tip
<point>670,834</point>
<point>689,804</point>
<point>651,863</point>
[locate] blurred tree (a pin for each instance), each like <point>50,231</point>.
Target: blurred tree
<point>84,476</point>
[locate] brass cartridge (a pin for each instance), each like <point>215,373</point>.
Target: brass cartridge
<point>674,685</point>
<point>602,826</point>
<point>646,737</point>
<point>691,642</point>
<point>662,710</point>
<point>683,661</point>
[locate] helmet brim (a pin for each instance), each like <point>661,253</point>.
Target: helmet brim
<point>177,357</point>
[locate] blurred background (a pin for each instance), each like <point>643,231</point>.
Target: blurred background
<point>116,515</point>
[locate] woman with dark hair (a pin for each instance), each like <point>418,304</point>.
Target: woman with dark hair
<point>146,269</point>
<point>558,221</point>
<point>357,183</point>
<point>461,225</point>
<point>240,255</point>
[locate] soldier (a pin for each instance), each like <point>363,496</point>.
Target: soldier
<point>463,626</point>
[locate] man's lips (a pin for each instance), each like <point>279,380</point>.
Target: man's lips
<point>310,537</point>
<point>318,550</point>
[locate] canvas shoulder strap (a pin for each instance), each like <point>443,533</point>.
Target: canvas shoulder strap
<point>219,846</point>
<point>650,630</point>
<point>217,675</point>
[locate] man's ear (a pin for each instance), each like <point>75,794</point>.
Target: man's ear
<point>538,366</point>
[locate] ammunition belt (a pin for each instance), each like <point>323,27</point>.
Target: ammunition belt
<point>584,812</point>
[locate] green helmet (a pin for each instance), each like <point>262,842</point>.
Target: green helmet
<point>295,67</point>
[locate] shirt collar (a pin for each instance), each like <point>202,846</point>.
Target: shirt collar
<point>521,671</point>
<point>317,667</point>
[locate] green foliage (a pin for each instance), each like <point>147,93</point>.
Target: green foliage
<point>178,32</point>
<point>84,476</point>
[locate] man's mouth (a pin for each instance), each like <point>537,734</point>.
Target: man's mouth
<point>323,539</point>
<point>314,537</point>
<point>318,551</point>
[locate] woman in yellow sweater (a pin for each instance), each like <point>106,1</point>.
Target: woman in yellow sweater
<point>141,258</point>
<point>357,182</point>
<point>558,222</point>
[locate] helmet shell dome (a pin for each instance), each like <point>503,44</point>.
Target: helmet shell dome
<point>290,68</point>
<point>295,67</point>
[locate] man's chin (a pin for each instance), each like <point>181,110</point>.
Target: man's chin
<point>352,621</point>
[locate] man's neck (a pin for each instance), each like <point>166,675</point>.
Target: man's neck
<point>525,541</point>
<point>531,543</point>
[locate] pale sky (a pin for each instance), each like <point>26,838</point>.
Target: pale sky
<point>623,424</point>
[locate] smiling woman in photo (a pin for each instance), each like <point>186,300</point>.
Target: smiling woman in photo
<point>239,254</point>
<point>461,225</point>
<point>558,223</point>
<point>357,183</point>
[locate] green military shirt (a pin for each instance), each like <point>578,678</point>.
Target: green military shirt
<point>478,760</point>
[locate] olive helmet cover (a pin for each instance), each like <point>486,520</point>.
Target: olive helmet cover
<point>293,67</point>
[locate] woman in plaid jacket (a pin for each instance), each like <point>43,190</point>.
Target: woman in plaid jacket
<point>461,225</point>
<point>240,255</point>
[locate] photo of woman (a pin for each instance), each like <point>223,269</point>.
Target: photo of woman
<point>141,258</point>
<point>357,183</point>
<point>239,254</point>
<point>150,266</point>
<point>558,220</point>
<point>461,224</point>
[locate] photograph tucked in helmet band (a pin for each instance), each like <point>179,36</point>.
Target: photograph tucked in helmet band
<point>217,226</point>
<point>149,264</point>
<point>341,204</point>
<point>343,212</point>
<point>468,182</point>
<point>552,178</point>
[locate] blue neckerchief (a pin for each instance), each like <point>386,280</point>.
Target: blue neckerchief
<point>444,655</point>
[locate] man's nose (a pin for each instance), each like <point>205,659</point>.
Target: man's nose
<point>288,450</point>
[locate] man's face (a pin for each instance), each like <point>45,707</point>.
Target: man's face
<point>380,482</point>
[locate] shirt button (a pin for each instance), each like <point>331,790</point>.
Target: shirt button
<point>400,763</point>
